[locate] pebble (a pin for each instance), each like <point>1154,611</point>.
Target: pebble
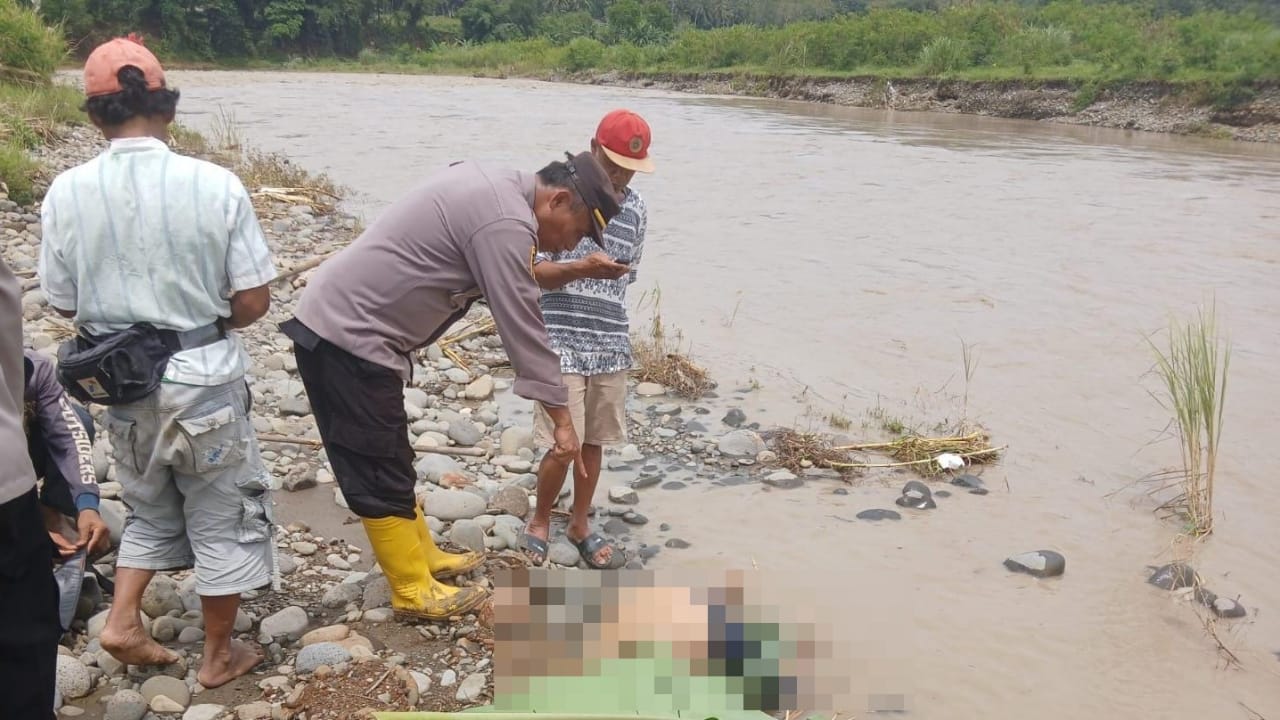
<point>623,496</point>
<point>433,467</point>
<point>338,562</point>
<point>304,548</point>
<point>471,688</point>
<point>73,680</point>
<point>326,653</point>
<point>648,389</point>
<point>126,705</point>
<point>161,596</point>
<point>329,633</point>
<point>877,514</point>
<point>562,553</point>
<point>1040,563</point>
<point>452,505</point>
<point>916,494</point>
<point>741,444</point>
<point>734,418</point>
<point>379,615</point>
<point>480,389</point>
<point>967,481</point>
<point>341,594</point>
<point>512,501</point>
<point>204,712</point>
<point>783,479</point>
<point>258,710</point>
<point>448,678</point>
<point>1228,608</point>
<point>468,534</point>
<point>164,705</point>
<point>677,544</point>
<point>514,439</point>
<point>291,622</point>
<point>190,635</point>
<point>1174,576</point>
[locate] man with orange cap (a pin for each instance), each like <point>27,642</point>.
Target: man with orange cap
<point>585,308</point>
<point>159,258</point>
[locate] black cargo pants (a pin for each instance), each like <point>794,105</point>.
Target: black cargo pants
<point>359,410</point>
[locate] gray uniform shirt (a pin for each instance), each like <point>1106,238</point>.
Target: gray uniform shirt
<point>16,475</point>
<point>465,232</point>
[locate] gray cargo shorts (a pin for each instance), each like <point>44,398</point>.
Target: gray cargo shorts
<point>198,494</point>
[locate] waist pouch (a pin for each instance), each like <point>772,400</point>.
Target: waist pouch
<point>127,366</point>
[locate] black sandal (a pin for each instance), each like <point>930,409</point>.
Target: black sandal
<point>592,544</point>
<point>535,548</point>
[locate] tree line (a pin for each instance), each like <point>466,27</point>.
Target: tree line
<point>241,29</point>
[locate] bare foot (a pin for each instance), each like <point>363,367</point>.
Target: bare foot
<point>133,647</point>
<point>224,667</point>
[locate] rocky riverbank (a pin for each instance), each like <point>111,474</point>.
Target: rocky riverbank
<point>327,625</point>
<point>1148,106</point>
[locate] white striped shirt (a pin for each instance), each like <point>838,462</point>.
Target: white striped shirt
<point>144,234</point>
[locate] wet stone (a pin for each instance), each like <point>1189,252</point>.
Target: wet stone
<point>1173,576</point>
<point>916,494</point>
<point>967,481</point>
<point>1041,563</point>
<point>943,494</point>
<point>840,491</point>
<point>635,518</point>
<point>1228,608</point>
<point>645,481</point>
<point>649,551</point>
<point>677,544</point>
<point>615,526</point>
<point>734,418</point>
<point>979,491</point>
<point>673,485</point>
<point>878,514</point>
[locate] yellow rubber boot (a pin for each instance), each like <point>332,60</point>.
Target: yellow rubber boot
<point>414,591</point>
<point>443,564</point>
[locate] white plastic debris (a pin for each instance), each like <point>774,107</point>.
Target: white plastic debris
<point>950,461</point>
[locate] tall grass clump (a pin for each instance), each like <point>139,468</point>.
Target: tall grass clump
<point>29,51</point>
<point>1193,370</point>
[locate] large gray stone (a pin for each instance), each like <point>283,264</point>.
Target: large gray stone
<point>377,594</point>
<point>341,594</point>
<point>468,534</point>
<point>161,596</point>
<point>512,501</point>
<point>204,712</point>
<point>313,656</point>
<point>290,622</point>
<point>1040,563</point>
<point>432,467</point>
<point>470,689</point>
<point>172,688</point>
<point>73,679</point>
<point>126,705</point>
<point>741,443</point>
<point>516,438</point>
<point>454,505</point>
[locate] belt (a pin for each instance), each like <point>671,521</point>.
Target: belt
<point>179,340</point>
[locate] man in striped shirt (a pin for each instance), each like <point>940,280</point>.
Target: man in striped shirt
<point>141,234</point>
<point>584,304</point>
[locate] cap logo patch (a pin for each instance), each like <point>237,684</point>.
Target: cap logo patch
<point>637,144</point>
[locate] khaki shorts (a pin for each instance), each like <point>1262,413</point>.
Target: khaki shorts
<point>598,404</point>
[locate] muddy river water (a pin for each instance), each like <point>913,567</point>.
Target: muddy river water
<point>835,260</point>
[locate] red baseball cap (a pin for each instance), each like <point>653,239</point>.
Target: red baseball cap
<point>103,67</point>
<point>625,137</point>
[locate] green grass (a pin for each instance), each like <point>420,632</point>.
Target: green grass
<point>1193,370</point>
<point>29,116</point>
<point>29,51</point>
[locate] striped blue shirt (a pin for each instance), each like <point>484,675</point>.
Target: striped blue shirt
<point>587,319</point>
<point>143,234</point>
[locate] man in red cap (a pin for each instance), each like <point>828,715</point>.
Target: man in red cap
<point>585,308</point>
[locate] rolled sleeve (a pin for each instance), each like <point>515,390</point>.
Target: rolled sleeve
<point>500,257</point>
<point>57,281</point>
<point>249,261</point>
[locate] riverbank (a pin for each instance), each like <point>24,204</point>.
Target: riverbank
<point>1247,112</point>
<point>326,629</point>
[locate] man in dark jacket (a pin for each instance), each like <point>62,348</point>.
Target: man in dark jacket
<point>60,443</point>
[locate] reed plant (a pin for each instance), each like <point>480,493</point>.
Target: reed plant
<point>1193,372</point>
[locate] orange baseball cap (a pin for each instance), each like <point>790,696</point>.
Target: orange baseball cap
<point>103,67</point>
<point>625,138</point>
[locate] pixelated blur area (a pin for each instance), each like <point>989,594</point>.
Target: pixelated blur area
<point>641,641</point>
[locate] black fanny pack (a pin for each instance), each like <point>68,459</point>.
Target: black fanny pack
<point>127,366</point>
